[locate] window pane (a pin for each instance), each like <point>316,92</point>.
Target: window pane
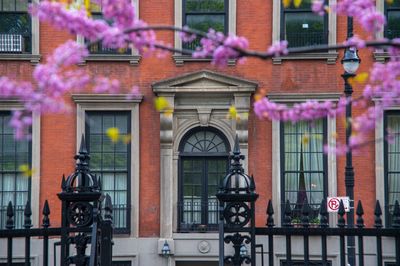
<point>303,168</point>
<point>393,24</point>
<point>110,160</point>
<point>14,187</point>
<point>304,28</point>
<point>205,22</point>
<point>8,5</point>
<point>205,5</point>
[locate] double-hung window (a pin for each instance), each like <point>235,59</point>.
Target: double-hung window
<point>392,12</point>
<point>391,162</point>
<point>110,159</point>
<point>301,27</point>
<point>98,48</point>
<point>203,15</point>
<point>303,166</point>
<point>14,184</point>
<point>15,27</point>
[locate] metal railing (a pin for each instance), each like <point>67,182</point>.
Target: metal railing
<point>299,39</point>
<point>191,213</point>
<point>98,48</point>
<point>323,231</point>
<point>14,43</point>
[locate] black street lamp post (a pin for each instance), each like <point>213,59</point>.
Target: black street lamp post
<point>350,62</point>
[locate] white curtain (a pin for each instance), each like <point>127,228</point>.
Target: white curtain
<point>306,140</point>
<point>394,161</point>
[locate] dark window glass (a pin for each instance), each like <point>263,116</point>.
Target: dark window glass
<point>14,185</point>
<point>301,263</point>
<point>392,12</point>
<point>15,27</point>
<point>98,48</point>
<point>302,27</point>
<point>303,166</point>
<point>111,161</point>
<point>203,163</point>
<point>392,158</point>
<point>203,15</point>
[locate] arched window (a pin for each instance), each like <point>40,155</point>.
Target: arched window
<point>203,162</point>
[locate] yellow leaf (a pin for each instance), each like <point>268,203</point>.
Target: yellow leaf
<point>113,133</point>
<point>297,3</point>
<point>26,170</point>
<point>334,135</point>
<point>389,2</point>
<point>361,78</point>
<point>161,104</point>
<point>286,3</point>
<point>126,138</point>
<point>232,113</point>
<point>305,139</point>
<point>258,96</point>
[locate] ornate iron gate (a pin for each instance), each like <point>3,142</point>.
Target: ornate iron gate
<point>237,197</point>
<point>84,221</point>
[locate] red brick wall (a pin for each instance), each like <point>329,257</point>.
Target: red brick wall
<point>254,20</point>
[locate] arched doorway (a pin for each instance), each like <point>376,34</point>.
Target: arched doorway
<point>203,162</point>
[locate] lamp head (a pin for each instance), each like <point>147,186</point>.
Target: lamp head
<point>350,60</point>
<point>243,250</point>
<point>166,251</point>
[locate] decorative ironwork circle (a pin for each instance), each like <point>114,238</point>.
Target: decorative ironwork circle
<point>80,214</point>
<point>237,214</point>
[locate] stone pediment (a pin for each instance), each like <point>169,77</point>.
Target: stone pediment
<point>204,81</point>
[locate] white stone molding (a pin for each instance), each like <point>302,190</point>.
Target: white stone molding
<point>133,58</point>
<point>198,99</point>
<point>35,158</point>
<point>34,56</point>
<point>276,151</point>
<point>178,11</point>
<point>116,102</point>
<point>330,56</point>
<point>380,159</point>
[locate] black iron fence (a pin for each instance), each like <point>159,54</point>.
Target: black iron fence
<point>292,239</point>
<point>323,230</point>
<point>84,222</point>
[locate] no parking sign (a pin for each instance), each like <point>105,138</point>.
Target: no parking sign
<point>333,204</point>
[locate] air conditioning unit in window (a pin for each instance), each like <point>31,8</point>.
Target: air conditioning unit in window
<point>11,43</point>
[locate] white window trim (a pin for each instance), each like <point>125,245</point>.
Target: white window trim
<point>380,55</point>
<point>330,56</point>
<point>276,152</point>
<point>33,57</point>
<point>380,159</point>
<point>180,59</point>
<point>132,58</point>
<point>35,160</point>
<point>116,102</point>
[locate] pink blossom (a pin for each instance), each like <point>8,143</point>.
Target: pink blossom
<point>278,48</point>
<point>318,7</point>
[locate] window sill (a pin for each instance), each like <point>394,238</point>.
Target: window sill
<point>132,59</point>
<point>33,58</point>
<point>381,56</point>
<point>330,57</point>
<point>181,59</point>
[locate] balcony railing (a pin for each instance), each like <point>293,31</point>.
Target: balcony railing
<point>121,215</point>
<point>99,49</point>
<point>12,43</point>
<point>300,39</point>
<point>192,212</point>
<point>191,45</point>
